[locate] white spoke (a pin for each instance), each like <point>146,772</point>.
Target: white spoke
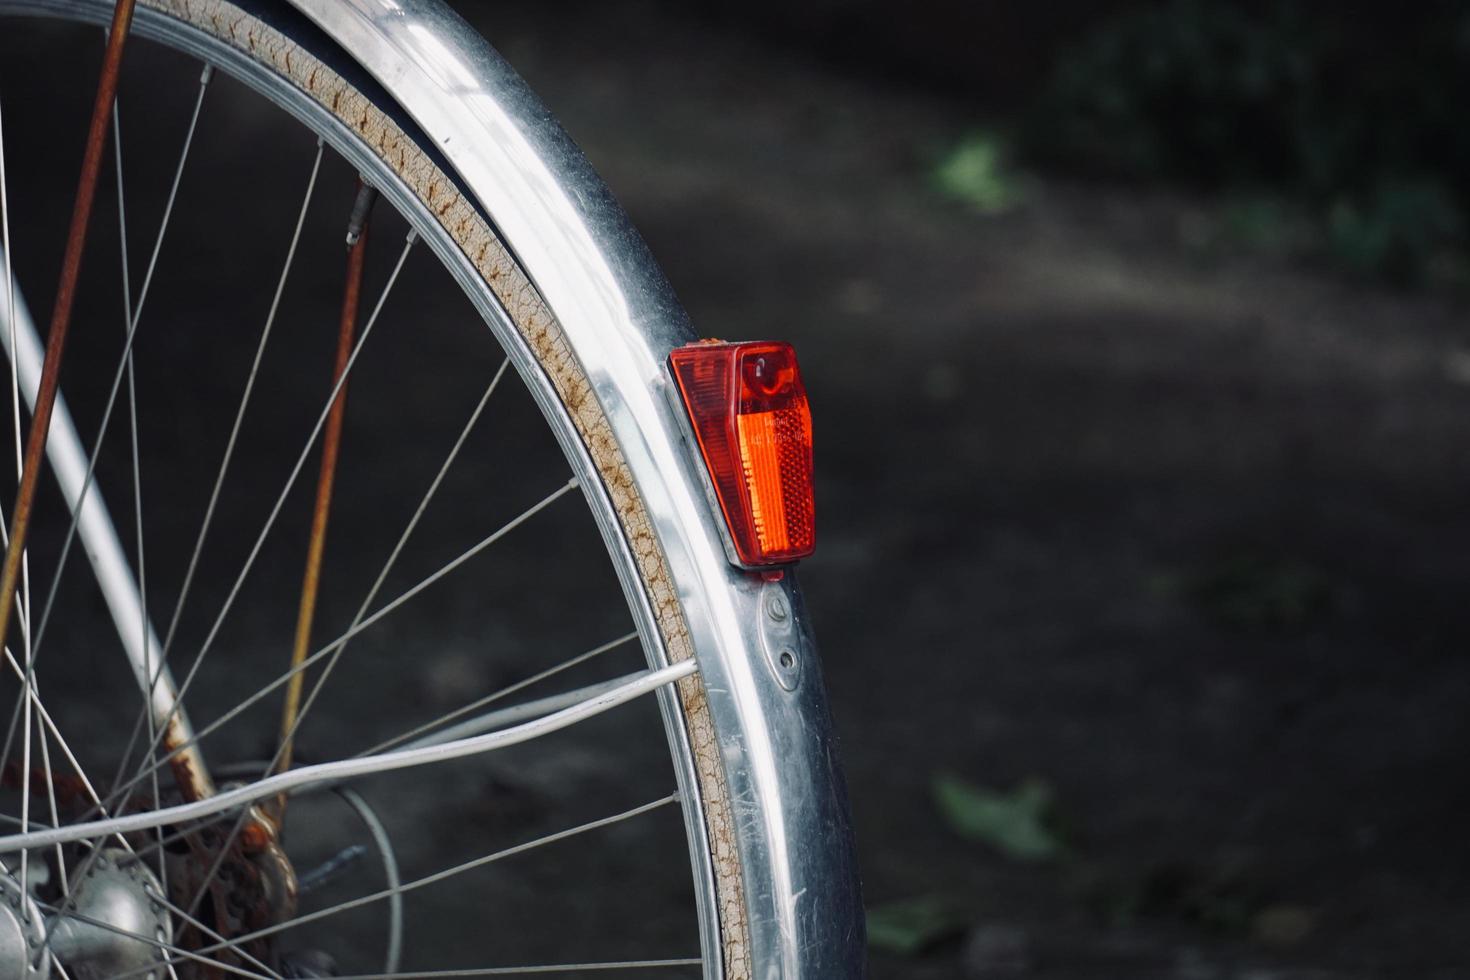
<point>50,726</point>
<point>65,911</point>
<point>362,626</point>
<point>25,777</point>
<point>46,720</point>
<point>80,503</point>
<point>24,600</point>
<point>330,772</point>
<point>137,316</point>
<point>51,796</point>
<point>219,479</point>
<point>7,818</point>
<point>23,607</point>
<point>439,876</point>
<point>143,620</point>
<point>9,275</point>
<point>275,512</point>
<point>321,680</point>
<point>392,558</point>
<point>224,465</point>
<point>504,692</point>
<point>401,889</point>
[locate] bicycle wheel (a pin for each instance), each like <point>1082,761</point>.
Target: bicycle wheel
<point>468,164</point>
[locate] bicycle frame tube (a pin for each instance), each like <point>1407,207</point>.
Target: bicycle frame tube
<point>105,554</point>
<point>621,319</point>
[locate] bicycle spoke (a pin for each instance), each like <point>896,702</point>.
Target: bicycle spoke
<point>45,399</point>
<point>224,466</point>
<point>644,683</point>
<point>357,236</point>
<point>27,690</point>
<point>229,452</point>
<point>232,945</point>
<point>176,954</point>
<point>398,546</point>
<point>275,811</point>
<point>65,911</point>
<point>8,819</point>
<point>275,512</point>
<point>362,626</point>
<point>50,726</point>
<point>281,760</point>
<point>51,797</point>
<point>193,740</point>
<point>504,692</point>
<point>134,444</point>
<point>123,361</point>
<point>46,720</point>
<point>24,601</point>
<point>205,930</point>
<point>61,316</point>
<point>439,876</point>
<point>9,275</point>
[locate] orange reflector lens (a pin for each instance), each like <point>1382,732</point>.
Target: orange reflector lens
<point>754,426</point>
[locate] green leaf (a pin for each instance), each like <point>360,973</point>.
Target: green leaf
<point>1015,823</point>
<point>976,173</point>
<point>910,926</point>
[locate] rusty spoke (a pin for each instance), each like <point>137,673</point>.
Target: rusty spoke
<point>197,772</point>
<point>20,517</point>
<point>71,266</point>
<point>357,235</point>
<point>257,827</point>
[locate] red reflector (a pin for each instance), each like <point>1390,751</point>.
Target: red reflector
<point>754,426</point>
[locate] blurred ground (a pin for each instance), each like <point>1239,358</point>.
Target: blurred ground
<point>1182,535</point>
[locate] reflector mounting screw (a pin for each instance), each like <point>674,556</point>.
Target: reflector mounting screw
<point>777,608</point>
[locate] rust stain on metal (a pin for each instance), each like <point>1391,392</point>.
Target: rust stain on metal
<point>331,448</point>
<point>190,775</point>
<point>68,789</point>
